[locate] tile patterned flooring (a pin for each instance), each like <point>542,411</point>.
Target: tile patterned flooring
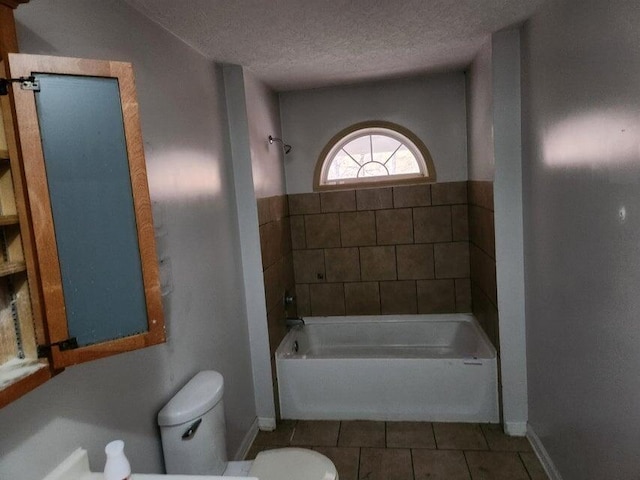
<point>363,450</point>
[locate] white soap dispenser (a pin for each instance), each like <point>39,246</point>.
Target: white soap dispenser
<point>117,466</point>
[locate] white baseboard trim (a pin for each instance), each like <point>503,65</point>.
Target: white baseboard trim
<point>267,424</point>
<point>515,429</point>
<point>542,454</point>
<point>247,441</point>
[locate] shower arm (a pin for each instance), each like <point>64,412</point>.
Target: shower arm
<point>285,147</point>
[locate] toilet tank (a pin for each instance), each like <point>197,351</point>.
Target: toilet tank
<point>192,427</point>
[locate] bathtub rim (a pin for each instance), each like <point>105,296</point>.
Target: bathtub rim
<point>283,350</point>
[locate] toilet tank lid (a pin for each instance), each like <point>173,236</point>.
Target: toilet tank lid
<point>196,398</point>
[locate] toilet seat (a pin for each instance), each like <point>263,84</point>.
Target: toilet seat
<point>292,464</point>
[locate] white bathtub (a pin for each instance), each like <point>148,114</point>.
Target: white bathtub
<point>405,367</point>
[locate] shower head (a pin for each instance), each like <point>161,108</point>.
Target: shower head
<point>286,148</point>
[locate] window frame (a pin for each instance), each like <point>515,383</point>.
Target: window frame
<point>344,136</point>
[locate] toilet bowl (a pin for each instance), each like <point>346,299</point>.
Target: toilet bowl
<point>192,428</point>
<point>292,464</point>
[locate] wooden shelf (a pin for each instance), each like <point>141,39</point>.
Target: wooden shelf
<point>8,220</point>
<point>9,268</point>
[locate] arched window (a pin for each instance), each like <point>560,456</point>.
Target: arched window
<point>373,154</point>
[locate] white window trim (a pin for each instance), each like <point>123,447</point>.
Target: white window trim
<point>419,150</point>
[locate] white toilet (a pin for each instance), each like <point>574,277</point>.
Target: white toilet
<point>192,427</point>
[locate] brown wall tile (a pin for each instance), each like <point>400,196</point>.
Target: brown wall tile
<point>436,296</point>
<point>308,266</point>
<point>298,237</point>
<point>303,203</point>
<point>276,326</point>
<point>270,243</point>
<point>274,284</point>
<point>342,264</point>
<point>482,229</point>
<point>482,257</point>
<point>279,206</point>
<point>463,295</point>
<point>285,235</point>
<point>358,229</point>
<point>460,223</point>
<point>480,194</point>
<point>451,259</point>
<point>323,230</point>
<point>374,198</point>
<point>362,298</point>
<point>483,272</point>
<point>415,262</point>
<point>486,313</point>
<point>432,224</point>
<point>288,276</point>
<point>398,297</point>
<point>303,301</point>
<point>338,201</point>
<point>264,210</point>
<point>412,196</point>
<point>327,299</point>
<point>401,240</point>
<point>394,227</point>
<point>378,263</point>
<point>450,193</point>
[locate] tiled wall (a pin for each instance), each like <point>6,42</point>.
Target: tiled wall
<point>382,251</point>
<point>482,256</point>
<point>412,249</point>
<point>277,266</point>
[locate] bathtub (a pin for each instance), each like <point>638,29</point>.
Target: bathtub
<point>406,367</point>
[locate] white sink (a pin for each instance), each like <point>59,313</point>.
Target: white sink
<point>76,467</point>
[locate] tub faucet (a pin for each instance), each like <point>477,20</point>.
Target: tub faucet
<point>294,322</point>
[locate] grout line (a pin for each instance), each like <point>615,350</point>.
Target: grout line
<point>486,440</point>
<point>344,297</point>
<point>413,222</point>
<point>525,465</point>
<point>395,257</point>
<point>433,434</point>
<point>435,438</point>
<point>293,432</point>
<point>338,436</point>
<point>413,472</point>
<point>455,295</point>
<point>385,435</point>
<point>451,221</point>
<point>466,461</point>
<point>375,224</point>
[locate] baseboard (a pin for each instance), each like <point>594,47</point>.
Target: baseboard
<point>247,441</point>
<point>515,429</point>
<point>266,424</point>
<point>542,454</point>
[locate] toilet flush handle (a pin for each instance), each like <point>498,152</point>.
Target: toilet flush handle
<point>191,431</point>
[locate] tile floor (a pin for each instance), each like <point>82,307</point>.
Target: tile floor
<point>364,450</point>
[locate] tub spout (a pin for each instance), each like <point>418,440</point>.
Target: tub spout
<point>294,322</point>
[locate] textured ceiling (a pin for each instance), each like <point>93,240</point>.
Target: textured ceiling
<point>295,44</point>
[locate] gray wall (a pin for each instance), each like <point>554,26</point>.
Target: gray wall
<point>432,107</point>
<point>185,133</point>
<point>263,114</point>
<point>480,150</point>
<point>581,169</point>
<point>493,103</point>
<point>259,174</point>
<point>507,191</point>
<point>239,128</point>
